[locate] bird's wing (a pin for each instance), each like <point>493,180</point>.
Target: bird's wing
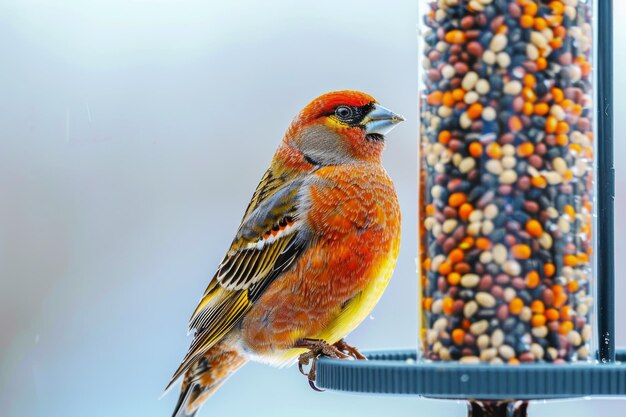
<point>268,241</point>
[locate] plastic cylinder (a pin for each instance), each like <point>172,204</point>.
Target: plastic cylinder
<point>506,201</point>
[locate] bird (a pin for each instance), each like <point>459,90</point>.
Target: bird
<point>315,250</point>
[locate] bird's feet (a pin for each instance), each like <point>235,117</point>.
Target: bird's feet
<point>350,350</point>
<point>317,348</point>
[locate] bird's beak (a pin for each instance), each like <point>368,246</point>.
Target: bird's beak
<point>381,120</point>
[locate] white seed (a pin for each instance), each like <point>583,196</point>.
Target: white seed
<point>436,231</point>
<point>429,222</point>
<point>482,341</point>
<point>470,308</point>
<point>540,331</point>
<point>440,324</point>
<point>488,354</point>
<point>574,338</point>
<point>444,111</point>
<point>437,307</point>
<point>537,350</point>
<point>489,114</point>
<point>475,216</point>
<point>472,360</point>
<point>448,71</point>
<point>513,88</point>
<point>487,227</point>
<point>509,294</point>
<point>471,97</point>
<point>482,87</point>
<point>485,257</point>
<point>464,121</point>
<point>440,15</point>
<point>564,224</point>
<point>431,336</point>
<point>545,240</point>
<point>491,211</point>
<point>456,159</point>
<point>499,253</point>
<point>538,40</point>
<point>552,212</point>
<point>571,12</point>
<point>444,354</point>
<point>508,150</point>
<point>479,327</point>
<point>470,280</point>
<point>467,164</point>
<point>476,5</point>
<point>553,178</point>
<point>583,352</point>
<point>504,60</point>
<point>512,268</point>
<point>582,167</point>
<point>567,272</point>
<point>498,43</point>
<point>506,352</point>
<point>575,73</point>
<point>437,260</point>
<point>509,162</point>
<point>469,81</point>
<point>552,352</point>
<point>558,112</point>
<point>497,338</point>
<point>489,57</point>
<point>485,299</point>
<point>436,191</point>
<point>509,176</point>
<point>493,166</point>
<point>547,33</point>
<point>532,52</point>
<point>449,226</point>
<point>526,314</point>
<point>474,229</point>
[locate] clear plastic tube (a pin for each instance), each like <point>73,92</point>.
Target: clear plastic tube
<point>506,180</point>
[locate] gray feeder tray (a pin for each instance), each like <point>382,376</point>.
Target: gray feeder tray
<point>398,372</point>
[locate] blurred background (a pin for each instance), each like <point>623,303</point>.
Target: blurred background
<point>132,135</point>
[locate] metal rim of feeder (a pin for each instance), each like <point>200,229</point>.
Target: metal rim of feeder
<point>398,372</point>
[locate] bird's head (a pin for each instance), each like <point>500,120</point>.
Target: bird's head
<point>341,127</point>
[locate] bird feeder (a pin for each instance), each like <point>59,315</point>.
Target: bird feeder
<point>516,265</point>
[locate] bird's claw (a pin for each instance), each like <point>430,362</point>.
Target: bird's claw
<point>315,387</point>
<point>317,348</point>
<point>350,350</point>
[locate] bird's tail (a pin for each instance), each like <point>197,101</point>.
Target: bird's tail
<point>205,376</point>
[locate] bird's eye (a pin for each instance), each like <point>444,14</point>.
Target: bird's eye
<point>343,112</point>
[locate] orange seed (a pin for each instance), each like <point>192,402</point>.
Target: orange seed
<point>521,251</point>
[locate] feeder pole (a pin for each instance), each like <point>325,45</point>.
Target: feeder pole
<point>606,185</point>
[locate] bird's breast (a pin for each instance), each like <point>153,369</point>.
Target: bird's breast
<point>353,202</point>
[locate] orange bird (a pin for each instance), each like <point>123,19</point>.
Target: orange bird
<point>313,254</point>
